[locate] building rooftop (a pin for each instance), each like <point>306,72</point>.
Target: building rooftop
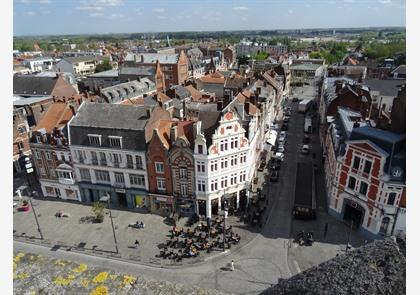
<point>111,116</point>
<point>149,58</point>
<point>305,67</point>
<point>388,87</point>
<point>21,101</point>
<point>105,74</point>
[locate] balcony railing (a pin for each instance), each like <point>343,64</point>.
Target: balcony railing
<point>116,164</point>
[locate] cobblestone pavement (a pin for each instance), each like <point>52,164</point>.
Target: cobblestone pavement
<point>36,274</point>
<point>80,234</point>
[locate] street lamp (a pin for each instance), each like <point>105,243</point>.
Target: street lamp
<point>224,223</point>
<point>106,198</point>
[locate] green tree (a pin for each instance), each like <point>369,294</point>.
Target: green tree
<point>315,54</point>
<point>98,210</point>
<point>104,66</point>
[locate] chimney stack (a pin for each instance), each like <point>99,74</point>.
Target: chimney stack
<point>72,110</point>
<point>173,134</point>
<point>148,113</point>
<point>247,106</point>
<point>220,105</point>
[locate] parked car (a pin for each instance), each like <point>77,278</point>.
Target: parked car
<point>274,176</point>
<point>305,149</point>
<point>279,156</point>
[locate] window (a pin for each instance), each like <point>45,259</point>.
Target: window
<point>129,161</point>
<point>213,185</point>
<point>139,162</point>
<point>103,158</point>
<point>200,148</point>
<point>242,176</point>
<point>160,183</point>
<point>116,158</point>
<point>368,166</point>
<point>183,172</point>
<point>136,179</point>
<point>201,185</point>
<point>363,188</point>
<point>213,165</point>
<point>115,141</point>
<point>84,174</point>
<point>42,171</point>
<point>391,198</point>
<point>201,167</point>
<point>81,155</point>
<point>119,178</point>
<point>94,139</point>
<point>234,160</point>
<point>356,162</point>
<point>94,157</point>
<point>243,158</point>
<point>37,155</point>
<point>223,183</point>
<point>223,145</point>
<point>352,182</point>
<point>233,179</point>
<point>159,167</point>
<point>52,172</point>
<point>184,189</point>
<point>65,175</point>
<point>48,155</point>
<point>102,176</point>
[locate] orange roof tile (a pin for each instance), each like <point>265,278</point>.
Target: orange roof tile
<point>195,94</point>
<point>57,115</point>
<point>162,97</point>
<point>242,97</point>
<point>216,77</point>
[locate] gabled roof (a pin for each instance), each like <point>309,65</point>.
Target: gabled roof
<point>85,58</point>
<point>235,81</point>
<point>195,94</point>
<point>214,78</point>
<point>209,122</point>
<point>139,71</point>
<point>57,115</point>
<point>242,97</point>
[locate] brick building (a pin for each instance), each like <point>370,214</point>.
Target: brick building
<point>52,158</point>
<point>365,174</point>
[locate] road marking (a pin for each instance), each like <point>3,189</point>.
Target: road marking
<point>296,266</point>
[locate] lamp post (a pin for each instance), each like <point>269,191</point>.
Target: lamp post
<point>105,198</point>
<point>348,237</point>
<point>224,223</point>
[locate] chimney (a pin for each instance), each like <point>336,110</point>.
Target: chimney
<point>72,110</point>
<point>197,128</point>
<point>220,105</point>
<point>53,98</point>
<point>247,106</point>
<point>173,134</point>
<point>148,113</point>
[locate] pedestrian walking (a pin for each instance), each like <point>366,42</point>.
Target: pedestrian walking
<point>232,266</point>
<point>136,244</point>
<point>325,230</point>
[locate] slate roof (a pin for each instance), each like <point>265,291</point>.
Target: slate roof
<point>139,71</point>
<point>209,122</point>
<point>21,101</point>
<point>113,116</point>
<point>127,121</point>
<point>105,74</point>
<point>180,91</point>
<point>153,57</point>
<point>194,52</point>
<point>305,67</point>
<point>129,89</point>
<point>235,81</point>
<point>388,87</point>
<point>78,59</point>
<point>32,85</point>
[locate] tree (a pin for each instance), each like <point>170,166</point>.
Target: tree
<point>104,66</point>
<point>98,209</point>
<point>315,54</point>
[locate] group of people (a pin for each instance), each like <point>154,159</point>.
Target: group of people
<point>204,237</point>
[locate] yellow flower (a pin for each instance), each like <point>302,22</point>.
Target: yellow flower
<point>64,282</point>
<point>113,277</point>
<point>17,258</point>
<point>128,280</point>
<point>100,290</point>
<point>101,277</point>
<point>81,268</point>
<point>60,262</point>
<point>22,276</point>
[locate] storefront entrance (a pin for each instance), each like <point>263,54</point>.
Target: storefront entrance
<point>214,207</point>
<point>201,207</point>
<point>353,212</point>
<point>122,200</point>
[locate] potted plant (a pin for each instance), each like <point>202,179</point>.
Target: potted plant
<point>98,210</point>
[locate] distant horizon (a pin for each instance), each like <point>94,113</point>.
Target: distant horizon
<point>81,17</point>
<point>216,31</point>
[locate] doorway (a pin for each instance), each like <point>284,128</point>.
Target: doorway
<point>122,200</point>
<point>354,212</point>
<point>384,225</point>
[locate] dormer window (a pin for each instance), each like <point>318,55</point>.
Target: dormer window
<point>94,139</point>
<point>115,141</point>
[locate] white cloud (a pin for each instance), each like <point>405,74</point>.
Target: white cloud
<point>31,13</point>
<point>97,5</point>
<point>116,16</point>
<point>96,14</point>
<point>240,8</point>
<point>44,1</point>
<point>158,10</point>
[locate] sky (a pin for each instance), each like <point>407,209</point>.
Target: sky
<point>49,17</point>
